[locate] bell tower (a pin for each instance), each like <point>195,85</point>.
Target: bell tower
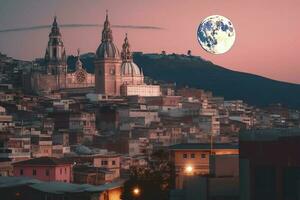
<point>107,64</point>
<point>55,56</point>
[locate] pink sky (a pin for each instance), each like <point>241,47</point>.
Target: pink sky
<point>267,31</point>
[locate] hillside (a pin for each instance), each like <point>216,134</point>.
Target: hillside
<point>195,72</point>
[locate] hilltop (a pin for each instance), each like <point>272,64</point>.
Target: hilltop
<point>193,71</point>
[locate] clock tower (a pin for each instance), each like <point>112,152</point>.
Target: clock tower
<point>107,64</point>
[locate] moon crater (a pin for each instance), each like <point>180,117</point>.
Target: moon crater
<point>216,34</point>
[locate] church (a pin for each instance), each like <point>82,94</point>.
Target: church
<point>53,74</point>
<point>115,73</point>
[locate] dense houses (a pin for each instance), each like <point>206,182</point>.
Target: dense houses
<point>58,140</point>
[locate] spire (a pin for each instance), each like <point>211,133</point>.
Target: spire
<point>126,53</point>
<point>106,32</point>
<point>55,56</point>
<point>55,29</point>
<point>78,62</point>
<point>106,15</point>
<point>55,21</point>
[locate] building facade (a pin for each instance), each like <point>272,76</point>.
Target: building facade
<point>44,169</point>
<point>194,158</point>
<point>109,162</point>
<point>115,73</point>
<point>270,164</point>
<point>53,74</point>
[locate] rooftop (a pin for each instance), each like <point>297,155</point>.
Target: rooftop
<point>50,161</point>
<point>90,169</point>
<point>56,187</point>
<point>198,146</point>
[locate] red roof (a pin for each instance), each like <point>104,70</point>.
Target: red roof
<point>49,161</point>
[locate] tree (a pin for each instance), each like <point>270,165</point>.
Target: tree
<point>153,181</point>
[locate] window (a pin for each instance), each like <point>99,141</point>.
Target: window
<point>203,155</point>
<point>60,171</point>
<point>113,162</point>
<point>54,52</point>
<point>65,170</point>
<point>47,172</point>
<point>112,71</point>
<point>184,155</point>
<point>192,155</point>
<point>21,172</point>
<point>34,172</point>
<point>104,162</point>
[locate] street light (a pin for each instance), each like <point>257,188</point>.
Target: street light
<point>136,191</point>
<point>189,169</point>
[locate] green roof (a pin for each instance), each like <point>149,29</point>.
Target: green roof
<point>12,181</point>
<point>57,187</point>
<point>204,146</point>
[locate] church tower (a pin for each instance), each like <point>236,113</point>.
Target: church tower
<point>55,56</point>
<point>130,72</point>
<point>107,64</point>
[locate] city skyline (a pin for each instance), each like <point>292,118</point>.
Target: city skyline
<point>274,57</point>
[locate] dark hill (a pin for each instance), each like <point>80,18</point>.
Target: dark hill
<point>195,72</point>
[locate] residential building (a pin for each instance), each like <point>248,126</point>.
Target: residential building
<point>194,158</point>
<point>109,161</point>
<point>44,169</point>
<point>270,164</point>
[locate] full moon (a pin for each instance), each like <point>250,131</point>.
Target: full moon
<point>216,34</point>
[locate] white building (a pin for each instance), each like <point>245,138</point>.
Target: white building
<point>5,120</point>
<point>140,90</point>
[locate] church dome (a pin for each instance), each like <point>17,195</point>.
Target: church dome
<point>107,48</point>
<point>130,69</point>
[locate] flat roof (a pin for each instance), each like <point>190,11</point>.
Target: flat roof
<point>204,146</point>
<point>13,181</point>
<point>56,187</point>
<point>41,161</point>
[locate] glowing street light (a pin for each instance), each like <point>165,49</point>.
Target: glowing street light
<point>189,169</point>
<point>136,191</point>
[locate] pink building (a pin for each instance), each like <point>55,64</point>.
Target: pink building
<point>44,169</point>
